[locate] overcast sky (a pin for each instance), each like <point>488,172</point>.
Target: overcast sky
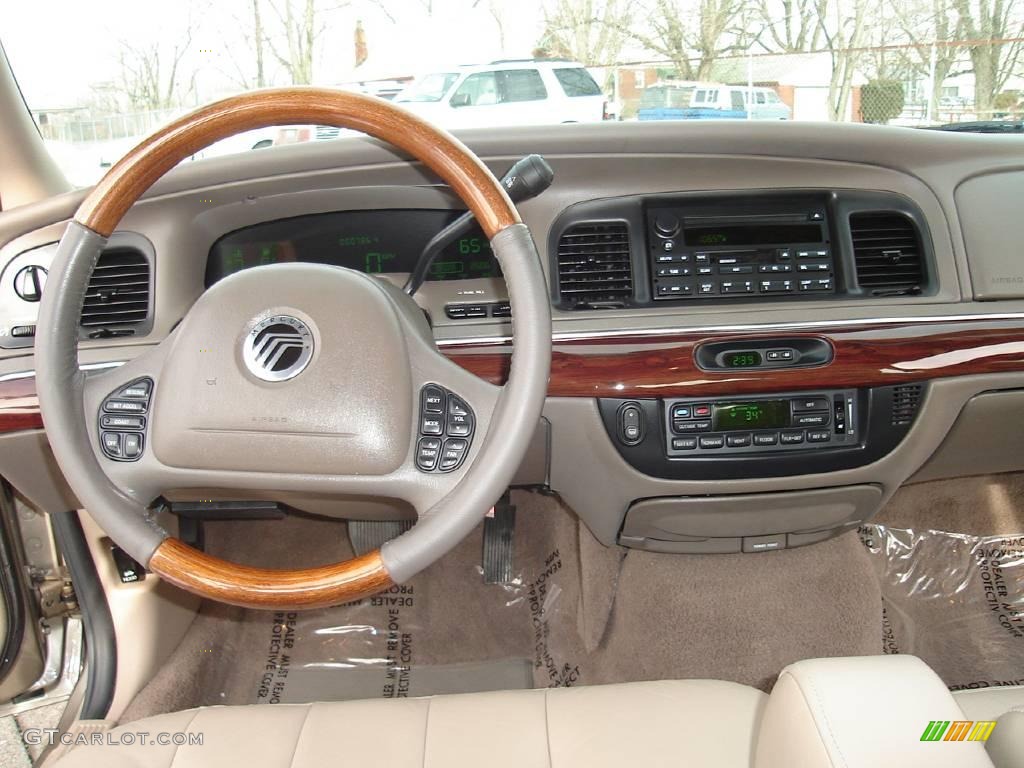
<point>60,49</point>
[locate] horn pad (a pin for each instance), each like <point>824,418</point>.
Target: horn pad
<point>299,368</point>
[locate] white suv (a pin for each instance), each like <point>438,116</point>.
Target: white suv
<point>512,92</point>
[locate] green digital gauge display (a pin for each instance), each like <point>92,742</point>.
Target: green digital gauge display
<point>763,414</point>
<point>742,359</point>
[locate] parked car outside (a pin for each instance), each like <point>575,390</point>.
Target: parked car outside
<point>510,92</point>
<point>710,101</point>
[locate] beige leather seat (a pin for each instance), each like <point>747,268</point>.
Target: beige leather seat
<point>707,722</point>
<point>1004,705</point>
<point>866,712</point>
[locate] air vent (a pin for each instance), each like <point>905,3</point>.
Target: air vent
<point>118,292</point>
<point>906,399</point>
<point>887,253</point>
<point>594,267</point>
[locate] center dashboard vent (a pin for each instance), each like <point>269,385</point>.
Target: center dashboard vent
<point>595,269</point>
<point>118,292</point>
<point>887,253</point>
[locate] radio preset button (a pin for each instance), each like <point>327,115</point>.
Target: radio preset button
<point>776,286</point>
<point>737,286</point>
<point>818,284</point>
<point>766,438</point>
<point>818,435</point>
<point>791,438</point>
<point>814,266</point>
<point>684,443</point>
<point>738,441</point>
<point>711,441</point>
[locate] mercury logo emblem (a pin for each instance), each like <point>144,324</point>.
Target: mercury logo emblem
<point>278,348</point>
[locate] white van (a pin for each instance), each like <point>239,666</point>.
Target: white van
<point>511,92</point>
<point>710,101</point>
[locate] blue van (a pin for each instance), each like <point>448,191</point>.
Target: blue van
<point>710,101</point>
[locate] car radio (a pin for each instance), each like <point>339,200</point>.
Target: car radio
<point>704,253</point>
<point>729,425</point>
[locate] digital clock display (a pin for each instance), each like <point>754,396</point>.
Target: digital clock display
<point>762,414</point>
<point>742,359</point>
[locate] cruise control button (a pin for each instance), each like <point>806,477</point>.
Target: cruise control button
<point>791,438</point>
<point>712,441</point>
<point>818,435</point>
<point>453,453</point>
<point>132,445</point>
<point>427,451</point>
<point>431,425</point>
<point>737,441</point>
<point>111,443</point>
<point>124,406</point>
<point>766,438</point>
<point>433,399</point>
<point>122,422</point>
<point>139,390</point>
<point>684,443</point>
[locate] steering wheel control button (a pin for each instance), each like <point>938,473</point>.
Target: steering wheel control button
<point>433,399</point>
<point>131,445</point>
<point>431,425</point>
<point>111,444</point>
<point>453,454</point>
<point>122,421</point>
<point>278,348</point>
<point>108,421</point>
<point>124,406</point>
<point>427,451</point>
<point>138,391</point>
<point>443,414</point>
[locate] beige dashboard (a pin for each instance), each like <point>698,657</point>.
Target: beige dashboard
<point>960,184</point>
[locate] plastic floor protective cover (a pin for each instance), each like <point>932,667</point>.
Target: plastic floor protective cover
<point>953,599</point>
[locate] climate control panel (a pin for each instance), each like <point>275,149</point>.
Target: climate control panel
<point>755,425</point>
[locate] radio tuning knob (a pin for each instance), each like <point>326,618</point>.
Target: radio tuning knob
<point>666,225</point>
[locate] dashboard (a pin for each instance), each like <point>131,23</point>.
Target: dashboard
<point>373,242</point>
<point>759,330</point>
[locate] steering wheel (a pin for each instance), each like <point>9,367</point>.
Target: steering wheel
<point>292,378</point>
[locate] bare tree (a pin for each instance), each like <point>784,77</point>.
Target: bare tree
<point>589,31</point>
<point>992,29</point>
<point>788,26</point>
<point>694,34</point>
<point>302,23</point>
<point>151,77</point>
<point>843,28</point>
<point>931,28</point>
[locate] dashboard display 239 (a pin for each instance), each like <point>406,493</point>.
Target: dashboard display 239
<point>367,241</point>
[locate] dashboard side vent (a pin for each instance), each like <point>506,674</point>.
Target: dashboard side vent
<point>906,400</point>
<point>118,292</point>
<point>887,253</point>
<point>594,266</point>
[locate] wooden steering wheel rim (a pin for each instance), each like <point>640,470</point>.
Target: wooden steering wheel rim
<point>125,183</point>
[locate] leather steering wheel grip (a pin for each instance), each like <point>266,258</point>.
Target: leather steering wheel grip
<point>61,383</point>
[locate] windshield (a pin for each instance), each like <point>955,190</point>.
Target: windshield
<point>430,87</point>
<point>101,75</point>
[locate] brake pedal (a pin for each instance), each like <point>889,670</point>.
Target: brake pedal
<point>368,535</point>
<point>499,530</point>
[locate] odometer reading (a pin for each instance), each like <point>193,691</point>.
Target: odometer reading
<point>742,359</point>
<point>763,414</point>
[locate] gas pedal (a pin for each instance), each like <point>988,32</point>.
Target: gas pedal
<point>499,532</point>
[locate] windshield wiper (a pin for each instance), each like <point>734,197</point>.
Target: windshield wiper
<point>981,126</point>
